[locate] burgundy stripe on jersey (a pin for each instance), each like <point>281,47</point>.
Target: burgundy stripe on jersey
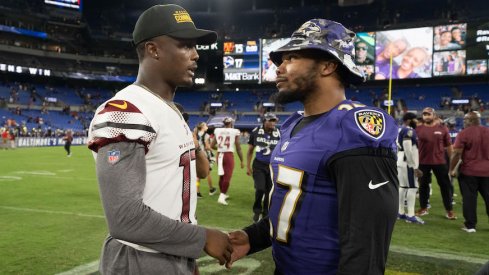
<point>119,106</point>
<point>123,126</point>
<point>98,143</point>
<point>185,159</point>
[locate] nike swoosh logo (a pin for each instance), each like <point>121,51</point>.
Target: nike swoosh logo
<point>120,106</point>
<point>375,186</point>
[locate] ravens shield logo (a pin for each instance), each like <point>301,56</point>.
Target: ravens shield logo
<point>371,122</point>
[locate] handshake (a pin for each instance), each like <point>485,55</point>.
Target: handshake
<point>226,248</point>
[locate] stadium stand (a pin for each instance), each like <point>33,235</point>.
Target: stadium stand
<point>60,64</point>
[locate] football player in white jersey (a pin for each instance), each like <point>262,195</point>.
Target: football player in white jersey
<point>147,159</point>
<point>225,140</point>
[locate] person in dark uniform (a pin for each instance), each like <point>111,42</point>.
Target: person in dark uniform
<point>262,140</point>
<point>407,169</point>
<point>68,138</point>
<point>334,199</point>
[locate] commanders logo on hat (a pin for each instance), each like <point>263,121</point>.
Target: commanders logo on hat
<point>182,16</point>
<point>371,122</point>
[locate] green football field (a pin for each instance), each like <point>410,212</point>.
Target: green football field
<point>51,222</point>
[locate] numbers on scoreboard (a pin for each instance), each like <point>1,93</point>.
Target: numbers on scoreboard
<point>238,62</point>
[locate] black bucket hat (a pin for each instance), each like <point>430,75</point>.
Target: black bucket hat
<point>327,36</point>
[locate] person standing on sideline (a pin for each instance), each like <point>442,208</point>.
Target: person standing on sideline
<point>5,137</point>
<point>263,140</point>
<point>203,139</point>
<point>433,139</point>
<point>472,147</point>
<point>335,194</point>
<point>147,160</point>
<point>407,168</point>
<point>225,140</point>
<point>453,132</point>
<point>68,138</point>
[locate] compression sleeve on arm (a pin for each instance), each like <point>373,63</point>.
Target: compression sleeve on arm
<point>121,188</point>
<point>259,235</point>
<point>367,205</point>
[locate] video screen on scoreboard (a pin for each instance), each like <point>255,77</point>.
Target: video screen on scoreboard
<point>450,37</point>
<point>72,4</point>
<point>368,71</point>
<point>268,69</point>
<point>241,61</point>
<point>411,51</point>
<point>478,66</point>
<point>478,47</point>
<point>449,63</point>
<point>365,48</point>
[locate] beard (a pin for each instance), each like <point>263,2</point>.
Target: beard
<point>303,86</point>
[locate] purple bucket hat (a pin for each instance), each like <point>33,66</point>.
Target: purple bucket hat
<point>328,36</point>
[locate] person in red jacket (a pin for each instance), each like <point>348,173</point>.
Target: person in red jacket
<point>433,140</point>
<point>5,138</point>
<point>472,147</point>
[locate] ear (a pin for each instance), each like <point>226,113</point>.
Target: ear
<point>327,68</point>
<point>151,49</point>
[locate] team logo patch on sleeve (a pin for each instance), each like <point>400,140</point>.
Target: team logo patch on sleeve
<point>371,122</point>
<point>113,156</point>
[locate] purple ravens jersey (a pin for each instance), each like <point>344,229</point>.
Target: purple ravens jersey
<point>304,201</point>
<point>407,133</point>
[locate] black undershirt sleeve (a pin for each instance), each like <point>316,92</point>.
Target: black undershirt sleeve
<point>259,235</point>
<point>367,205</point>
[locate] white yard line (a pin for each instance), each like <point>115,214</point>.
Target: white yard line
<point>212,267</point>
<point>50,212</point>
<point>437,254</point>
<point>94,179</point>
<point>82,269</point>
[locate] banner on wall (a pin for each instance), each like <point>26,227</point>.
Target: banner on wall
<point>41,142</point>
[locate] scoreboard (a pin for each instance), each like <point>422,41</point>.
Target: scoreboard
<point>241,61</point>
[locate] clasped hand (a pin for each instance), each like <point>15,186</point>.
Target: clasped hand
<point>227,248</point>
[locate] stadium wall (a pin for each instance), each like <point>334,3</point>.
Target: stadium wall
<point>41,142</point>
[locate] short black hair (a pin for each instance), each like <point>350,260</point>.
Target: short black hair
<point>408,116</point>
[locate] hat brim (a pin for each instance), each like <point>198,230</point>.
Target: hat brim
<point>203,37</point>
<point>354,76</point>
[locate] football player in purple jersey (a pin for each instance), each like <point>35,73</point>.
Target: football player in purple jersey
<point>334,200</point>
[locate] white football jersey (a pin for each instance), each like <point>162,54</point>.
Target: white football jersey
<point>136,114</point>
<point>225,138</point>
